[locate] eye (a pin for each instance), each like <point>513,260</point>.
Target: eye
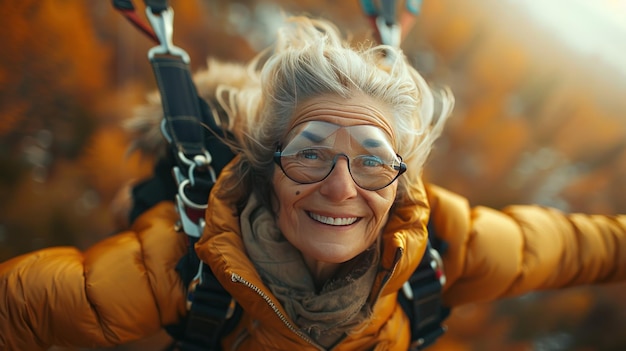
<point>309,154</point>
<point>370,161</point>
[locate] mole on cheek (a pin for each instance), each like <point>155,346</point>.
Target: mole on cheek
<point>298,192</point>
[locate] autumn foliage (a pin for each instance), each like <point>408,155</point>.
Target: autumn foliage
<point>536,122</point>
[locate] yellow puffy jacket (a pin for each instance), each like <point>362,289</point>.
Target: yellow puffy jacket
<point>125,288</point>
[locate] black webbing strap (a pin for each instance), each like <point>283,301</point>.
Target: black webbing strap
<point>157,6</point>
<point>180,104</point>
<point>425,309</point>
<point>213,312</point>
<point>162,186</point>
<point>210,306</point>
<point>186,118</point>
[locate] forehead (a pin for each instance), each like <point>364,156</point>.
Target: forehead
<point>328,134</point>
<point>357,110</point>
<point>350,140</point>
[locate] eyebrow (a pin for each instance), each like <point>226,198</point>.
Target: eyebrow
<point>312,136</point>
<point>368,143</point>
<point>371,143</point>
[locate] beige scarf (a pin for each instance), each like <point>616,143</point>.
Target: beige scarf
<point>326,315</point>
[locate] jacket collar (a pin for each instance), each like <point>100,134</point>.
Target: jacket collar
<point>404,242</point>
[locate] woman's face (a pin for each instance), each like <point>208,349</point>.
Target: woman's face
<point>334,220</point>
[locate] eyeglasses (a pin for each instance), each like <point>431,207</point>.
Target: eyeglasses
<point>313,148</point>
<point>312,165</point>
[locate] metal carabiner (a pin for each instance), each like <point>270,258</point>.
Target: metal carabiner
<point>388,24</point>
<point>390,33</point>
<point>200,160</point>
<point>189,226</point>
<point>163,28</point>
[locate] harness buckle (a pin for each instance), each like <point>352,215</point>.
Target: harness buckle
<point>163,28</point>
<point>190,212</point>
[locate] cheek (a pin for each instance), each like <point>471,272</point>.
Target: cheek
<point>278,183</point>
<point>286,193</point>
<point>382,201</point>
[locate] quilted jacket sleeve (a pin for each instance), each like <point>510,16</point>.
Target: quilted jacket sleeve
<point>494,254</point>
<point>122,289</point>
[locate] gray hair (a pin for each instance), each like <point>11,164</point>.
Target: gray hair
<point>311,59</point>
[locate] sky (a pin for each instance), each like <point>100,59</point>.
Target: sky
<point>591,27</point>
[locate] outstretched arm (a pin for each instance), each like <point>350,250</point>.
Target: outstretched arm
<point>123,288</point>
<point>495,254</point>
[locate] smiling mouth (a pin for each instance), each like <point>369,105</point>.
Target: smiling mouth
<point>332,220</point>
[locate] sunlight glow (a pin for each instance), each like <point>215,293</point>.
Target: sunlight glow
<point>593,27</point>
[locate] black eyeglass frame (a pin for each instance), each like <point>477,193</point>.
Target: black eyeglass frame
<point>401,168</point>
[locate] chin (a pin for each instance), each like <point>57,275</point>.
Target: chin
<point>331,256</point>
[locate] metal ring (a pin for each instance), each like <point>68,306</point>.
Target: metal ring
<point>186,201</point>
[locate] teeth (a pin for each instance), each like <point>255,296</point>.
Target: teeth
<point>333,221</point>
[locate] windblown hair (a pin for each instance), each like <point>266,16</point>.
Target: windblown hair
<point>310,59</point>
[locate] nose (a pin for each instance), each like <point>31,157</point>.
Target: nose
<point>339,184</point>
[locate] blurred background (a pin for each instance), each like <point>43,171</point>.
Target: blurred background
<point>540,118</point>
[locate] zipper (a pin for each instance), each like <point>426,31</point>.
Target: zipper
<point>399,255</point>
<point>238,279</point>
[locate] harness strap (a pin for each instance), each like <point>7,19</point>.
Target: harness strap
<point>185,122</point>
<point>421,301</point>
<point>213,312</point>
<point>182,125</point>
<point>421,298</point>
<point>180,104</point>
<point>210,316</point>
<point>157,6</point>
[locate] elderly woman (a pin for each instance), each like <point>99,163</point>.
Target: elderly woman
<point>315,225</point>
